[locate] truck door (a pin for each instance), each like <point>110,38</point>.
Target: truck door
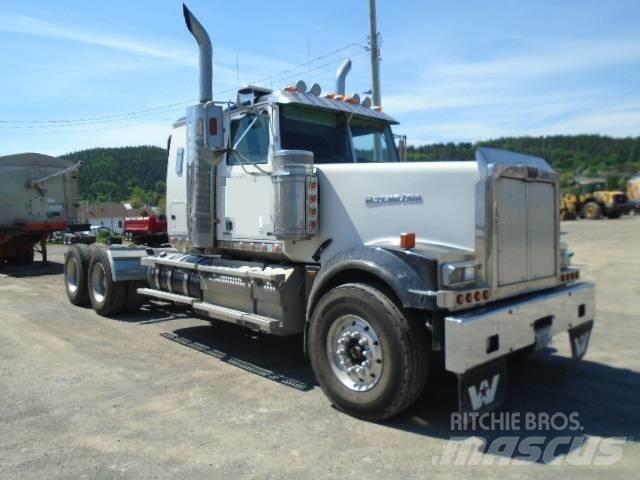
<point>248,188</point>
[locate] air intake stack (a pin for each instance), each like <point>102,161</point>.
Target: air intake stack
<point>341,77</point>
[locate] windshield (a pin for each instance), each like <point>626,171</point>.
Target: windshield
<point>326,134</point>
<point>592,187</point>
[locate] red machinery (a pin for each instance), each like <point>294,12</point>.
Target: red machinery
<point>151,230</point>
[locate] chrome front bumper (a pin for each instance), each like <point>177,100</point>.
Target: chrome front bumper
<point>478,336</point>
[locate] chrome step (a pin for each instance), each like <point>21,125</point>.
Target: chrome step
<point>249,320</point>
<point>169,297</point>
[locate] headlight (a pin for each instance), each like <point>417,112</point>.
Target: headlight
<point>565,255</point>
<point>458,273</point>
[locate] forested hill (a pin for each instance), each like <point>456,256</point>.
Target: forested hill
<point>135,174</point>
<point>615,159</point>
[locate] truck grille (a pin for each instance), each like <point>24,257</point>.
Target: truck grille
<point>526,230</point>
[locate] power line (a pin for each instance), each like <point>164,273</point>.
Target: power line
<point>65,129</point>
<point>70,131</point>
<point>19,124</point>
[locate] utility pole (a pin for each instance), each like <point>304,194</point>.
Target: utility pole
<point>375,54</point>
<point>375,73</point>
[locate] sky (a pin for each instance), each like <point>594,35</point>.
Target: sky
<point>78,74</point>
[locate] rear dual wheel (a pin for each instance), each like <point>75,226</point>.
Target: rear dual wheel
<point>76,267</point>
<point>370,358</point>
<point>89,279</point>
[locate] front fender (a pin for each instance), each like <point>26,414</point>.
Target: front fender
<point>403,271</point>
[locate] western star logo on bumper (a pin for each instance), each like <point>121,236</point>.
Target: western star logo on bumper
<point>482,388</point>
<point>484,394</point>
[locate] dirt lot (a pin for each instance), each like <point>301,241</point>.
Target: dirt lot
<point>161,395</point>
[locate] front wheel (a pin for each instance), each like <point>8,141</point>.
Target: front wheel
<point>592,211</point>
<point>370,359</point>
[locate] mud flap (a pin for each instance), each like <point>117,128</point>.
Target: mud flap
<point>579,338</point>
<point>483,388</point>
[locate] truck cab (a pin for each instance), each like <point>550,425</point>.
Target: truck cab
<point>289,212</point>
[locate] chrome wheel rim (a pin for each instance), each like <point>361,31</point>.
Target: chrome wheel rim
<point>98,282</point>
<point>355,353</point>
<point>72,275</point>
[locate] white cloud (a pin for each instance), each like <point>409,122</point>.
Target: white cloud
<point>552,59</point>
<point>16,23</point>
<point>523,94</point>
<point>178,53</point>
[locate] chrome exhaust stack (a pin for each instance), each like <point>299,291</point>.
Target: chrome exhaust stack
<point>341,76</point>
<point>205,141</point>
<point>206,53</point>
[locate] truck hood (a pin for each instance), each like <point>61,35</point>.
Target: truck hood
<point>369,204</point>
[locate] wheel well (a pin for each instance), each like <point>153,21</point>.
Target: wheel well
<point>354,275</point>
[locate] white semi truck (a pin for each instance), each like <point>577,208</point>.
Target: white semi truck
<point>290,213</point>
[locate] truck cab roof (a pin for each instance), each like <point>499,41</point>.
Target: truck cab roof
<point>253,96</point>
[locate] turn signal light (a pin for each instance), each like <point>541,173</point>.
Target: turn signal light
<point>213,126</point>
<point>407,240</point>
<point>473,297</point>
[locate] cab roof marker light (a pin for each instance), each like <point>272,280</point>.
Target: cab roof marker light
<point>301,86</point>
<point>315,90</point>
<point>353,99</point>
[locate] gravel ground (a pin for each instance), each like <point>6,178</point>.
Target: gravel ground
<point>164,395</point>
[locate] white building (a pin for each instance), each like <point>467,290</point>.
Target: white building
<point>109,214</point>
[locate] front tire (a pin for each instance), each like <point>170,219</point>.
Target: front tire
<point>370,358</point>
<point>591,211</point>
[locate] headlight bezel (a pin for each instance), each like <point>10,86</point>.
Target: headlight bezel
<point>456,274</point>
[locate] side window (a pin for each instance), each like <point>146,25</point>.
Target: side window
<point>251,134</point>
<point>179,161</point>
<point>366,137</point>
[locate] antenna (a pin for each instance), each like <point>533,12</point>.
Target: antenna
<point>237,70</point>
